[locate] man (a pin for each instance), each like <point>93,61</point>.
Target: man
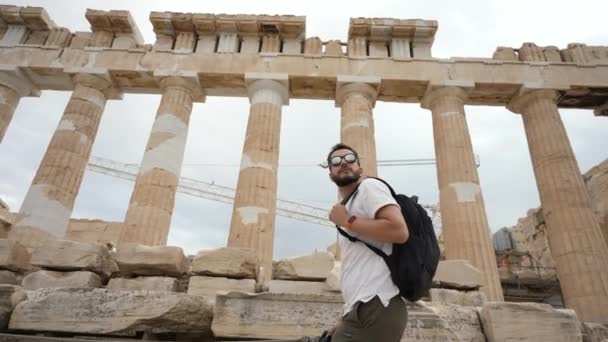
<point>373,309</point>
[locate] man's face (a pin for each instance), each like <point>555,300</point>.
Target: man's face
<point>344,173</point>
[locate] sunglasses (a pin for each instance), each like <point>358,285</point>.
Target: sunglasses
<point>337,160</point>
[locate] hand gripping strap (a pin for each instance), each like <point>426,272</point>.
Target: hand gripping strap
<point>354,239</point>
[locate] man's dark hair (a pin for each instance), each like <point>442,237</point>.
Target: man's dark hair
<point>341,146</point>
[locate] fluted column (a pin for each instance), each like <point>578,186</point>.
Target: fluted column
<point>48,204</point>
<point>575,239</point>
<point>357,100</point>
<point>13,85</point>
<point>8,103</point>
<point>465,224</point>
<point>254,210</point>
<point>151,206</point>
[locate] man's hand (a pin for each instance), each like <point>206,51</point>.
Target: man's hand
<point>339,215</point>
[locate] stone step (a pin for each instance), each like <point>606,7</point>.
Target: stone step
<point>38,338</point>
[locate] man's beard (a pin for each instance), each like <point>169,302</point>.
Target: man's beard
<point>347,180</point>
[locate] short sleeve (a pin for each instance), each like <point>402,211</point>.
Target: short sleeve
<point>376,196</point>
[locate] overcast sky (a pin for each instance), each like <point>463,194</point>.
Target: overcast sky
<point>310,128</point>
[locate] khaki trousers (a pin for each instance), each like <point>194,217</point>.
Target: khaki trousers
<point>372,322</point>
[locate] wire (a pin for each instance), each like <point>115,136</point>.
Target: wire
<point>386,162</point>
<point>233,165</point>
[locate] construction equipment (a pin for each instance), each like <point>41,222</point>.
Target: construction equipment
<point>212,191</point>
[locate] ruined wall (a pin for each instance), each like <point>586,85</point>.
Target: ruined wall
<point>6,219</point>
<point>93,231</point>
<point>597,184</point>
<point>529,234</point>
<point>81,230</point>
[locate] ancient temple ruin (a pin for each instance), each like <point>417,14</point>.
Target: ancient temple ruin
<point>270,60</point>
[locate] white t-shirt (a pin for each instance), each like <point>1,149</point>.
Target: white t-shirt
<point>364,273</point>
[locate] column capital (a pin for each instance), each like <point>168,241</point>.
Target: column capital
<point>188,83</point>
<point>520,102</point>
<point>258,84</point>
<point>100,81</point>
<point>14,78</point>
<point>428,100</point>
<point>350,85</point>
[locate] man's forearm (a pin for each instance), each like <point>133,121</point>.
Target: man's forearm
<point>380,230</point>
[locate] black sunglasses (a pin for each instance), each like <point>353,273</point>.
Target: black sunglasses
<point>337,160</point>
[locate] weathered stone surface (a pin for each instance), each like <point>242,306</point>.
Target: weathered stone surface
<point>47,279</point>
<point>225,262</point>
<point>303,287</point>
<point>274,316</point>
<point>103,311</point>
<point>530,236</point>
<point>528,322</point>
<point>594,332</point>
<point>333,279</point>
<point>596,180</point>
<point>151,260</point>
<point>10,296</point>
<point>463,322</point>
<point>209,286</point>
<point>64,255</point>
<point>39,338</point>
<point>8,278</point>
<point>308,267</point>
<point>467,231</point>
<point>290,316</point>
<point>440,322</point>
<point>93,231</point>
<point>14,256</point>
<point>165,284</point>
<point>457,274</point>
<point>446,296</point>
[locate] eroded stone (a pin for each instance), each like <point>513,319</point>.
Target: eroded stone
<point>103,311</point>
<point>315,266</point>
<point>468,298</point>
<point>48,279</point>
<point>10,296</point>
<point>457,274</point>
<point>64,255</point>
<point>225,262</point>
<point>14,256</point>
<point>210,286</point>
<point>529,322</point>
<point>8,278</point>
<point>151,260</point>
<point>274,316</point>
<point>163,284</point>
<point>594,332</point>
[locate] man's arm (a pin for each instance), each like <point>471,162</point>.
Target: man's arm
<point>388,225</point>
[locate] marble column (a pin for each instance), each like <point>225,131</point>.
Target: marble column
<point>466,230</point>
<point>14,84</point>
<point>151,206</point>
<point>48,204</point>
<point>575,238</point>
<point>357,100</point>
<point>254,210</point>
<point>9,98</point>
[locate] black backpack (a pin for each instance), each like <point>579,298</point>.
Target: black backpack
<point>412,264</point>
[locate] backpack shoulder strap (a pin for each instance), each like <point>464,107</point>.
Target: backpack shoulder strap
<point>354,239</point>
